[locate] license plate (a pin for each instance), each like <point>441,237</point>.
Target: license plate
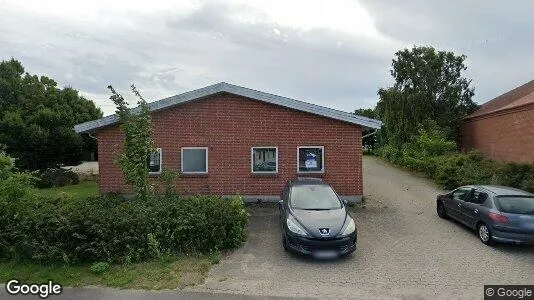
<point>324,254</point>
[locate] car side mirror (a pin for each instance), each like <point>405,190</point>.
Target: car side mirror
<point>345,202</point>
<point>281,202</point>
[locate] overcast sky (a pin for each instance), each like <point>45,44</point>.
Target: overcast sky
<point>332,53</point>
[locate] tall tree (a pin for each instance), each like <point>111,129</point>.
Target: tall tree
<point>429,85</point>
<point>37,119</point>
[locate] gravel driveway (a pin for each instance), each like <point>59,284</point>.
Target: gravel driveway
<point>404,252</point>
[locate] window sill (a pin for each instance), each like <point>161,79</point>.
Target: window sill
<point>158,174</point>
<point>264,175</point>
<point>311,174</point>
<point>194,174</point>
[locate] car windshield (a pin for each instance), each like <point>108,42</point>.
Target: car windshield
<point>515,204</point>
<point>314,197</point>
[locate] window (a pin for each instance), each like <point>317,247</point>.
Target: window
<point>479,197</point>
<point>314,197</point>
<point>154,162</point>
<point>515,204</point>
<point>264,159</point>
<point>462,194</point>
<point>310,159</point>
<point>195,160</point>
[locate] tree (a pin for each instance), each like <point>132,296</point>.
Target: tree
<point>138,144</point>
<point>428,86</point>
<point>37,119</point>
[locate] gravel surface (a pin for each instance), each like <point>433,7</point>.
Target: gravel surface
<point>404,252</point>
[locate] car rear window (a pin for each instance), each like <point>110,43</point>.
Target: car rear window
<point>314,197</point>
<point>515,204</point>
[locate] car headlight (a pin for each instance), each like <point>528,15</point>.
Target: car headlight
<point>350,228</point>
<point>293,227</point>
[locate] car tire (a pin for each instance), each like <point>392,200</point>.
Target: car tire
<point>484,234</point>
<point>440,209</point>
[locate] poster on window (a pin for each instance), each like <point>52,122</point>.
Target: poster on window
<point>311,160</point>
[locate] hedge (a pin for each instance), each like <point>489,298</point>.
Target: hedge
<point>116,229</point>
<point>453,169</point>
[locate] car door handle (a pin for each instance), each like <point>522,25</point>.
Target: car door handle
<point>459,205</point>
<point>476,211</point>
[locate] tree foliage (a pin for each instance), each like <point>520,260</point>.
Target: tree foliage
<point>428,86</point>
<point>136,126</point>
<point>37,119</point>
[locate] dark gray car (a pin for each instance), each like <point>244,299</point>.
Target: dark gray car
<point>497,213</point>
<point>315,220</point>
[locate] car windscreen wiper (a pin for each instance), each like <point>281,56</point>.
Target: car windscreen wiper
<point>316,209</point>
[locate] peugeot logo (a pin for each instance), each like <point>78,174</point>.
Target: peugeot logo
<point>324,231</point>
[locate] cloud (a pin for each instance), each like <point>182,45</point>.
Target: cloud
<point>496,36</point>
<point>333,55</point>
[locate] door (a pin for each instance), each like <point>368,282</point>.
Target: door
<point>455,201</point>
<point>471,208</point>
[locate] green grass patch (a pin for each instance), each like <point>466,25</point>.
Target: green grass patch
<point>82,190</point>
<point>168,273</point>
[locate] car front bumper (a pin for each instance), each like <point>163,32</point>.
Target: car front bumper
<point>322,247</point>
<point>507,235</point>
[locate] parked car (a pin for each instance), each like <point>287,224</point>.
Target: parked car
<point>315,220</point>
<point>497,213</point>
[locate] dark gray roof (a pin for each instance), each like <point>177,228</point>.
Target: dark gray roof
<point>224,87</point>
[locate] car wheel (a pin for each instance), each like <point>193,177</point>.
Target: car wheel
<point>442,213</point>
<point>484,234</point>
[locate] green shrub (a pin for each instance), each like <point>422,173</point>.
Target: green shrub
<point>528,185</point>
<point>115,229</point>
<point>56,177</point>
<point>13,184</point>
<point>100,267</point>
<point>431,142</point>
<point>514,174</point>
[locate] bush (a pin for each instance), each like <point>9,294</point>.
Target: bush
<point>115,229</point>
<point>100,267</point>
<point>13,184</point>
<point>57,177</point>
<point>433,156</point>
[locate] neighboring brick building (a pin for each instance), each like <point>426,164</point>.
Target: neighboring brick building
<point>503,128</point>
<point>225,139</point>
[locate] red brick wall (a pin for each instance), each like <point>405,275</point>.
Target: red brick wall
<point>505,136</point>
<point>230,125</point>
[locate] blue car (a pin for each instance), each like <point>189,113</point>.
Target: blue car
<point>497,213</point>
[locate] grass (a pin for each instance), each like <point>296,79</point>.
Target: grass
<point>168,273</point>
<point>83,189</point>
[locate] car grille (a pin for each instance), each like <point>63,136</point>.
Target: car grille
<point>306,248</point>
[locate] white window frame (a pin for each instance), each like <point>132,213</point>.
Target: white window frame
<point>322,160</point>
<point>252,160</point>
<point>182,159</point>
<point>160,163</point>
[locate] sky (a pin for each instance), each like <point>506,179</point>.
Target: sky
<point>335,53</point>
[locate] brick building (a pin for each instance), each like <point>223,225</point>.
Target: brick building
<point>503,128</point>
<point>225,139</point>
